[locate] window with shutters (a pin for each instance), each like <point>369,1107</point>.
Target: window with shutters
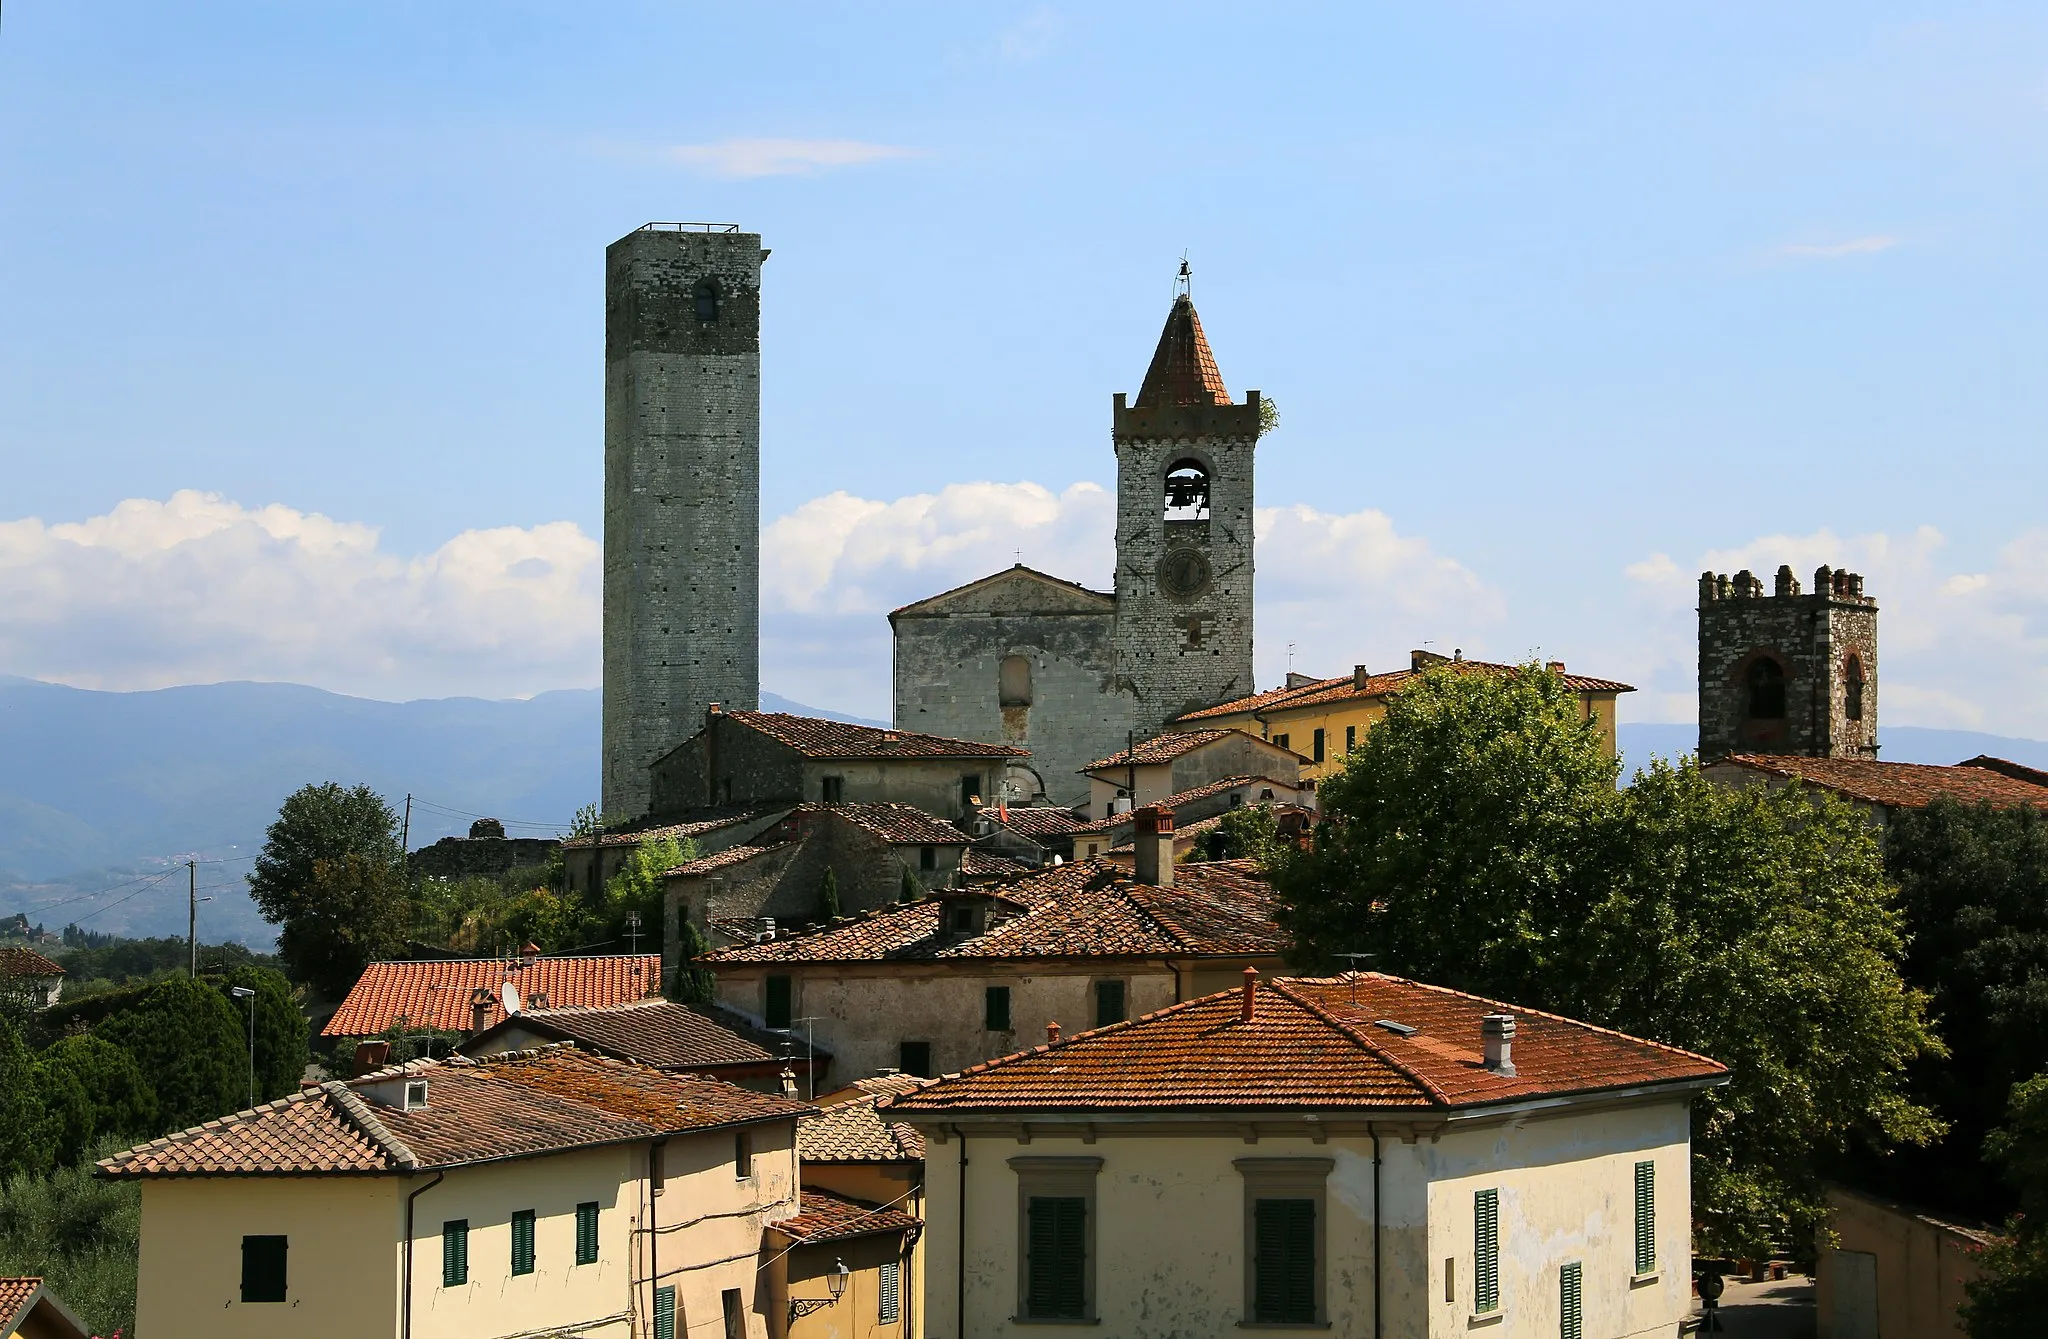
<point>1109,1003</point>
<point>1316,746</point>
<point>454,1252</point>
<point>775,1010</point>
<point>735,1313</point>
<point>1283,1239</point>
<point>996,1009</point>
<point>1646,1217</point>
<point>263,1271</point>
<point>1571,1307</point>
<point>890,1308</point>
<point>665,1312</point>
<point>1351,739</point>
<point>1056,1237</point>
<point>522,1242</point>
<point>1486,1250</point>
<point>743,1156</point>
<point>586,1233</point>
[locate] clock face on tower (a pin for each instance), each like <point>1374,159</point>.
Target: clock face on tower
<point>1184,573</point>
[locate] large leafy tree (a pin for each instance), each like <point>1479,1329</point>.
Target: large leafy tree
<point>330,876</point>
<point>121,1101</point>
<point>281,1031</point>
<point>24,1137</point>
<point>1477,839</point>
<point>189,1045</point>
<point>2010,1296</point>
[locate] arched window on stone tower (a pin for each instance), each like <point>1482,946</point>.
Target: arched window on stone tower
<point>1852,689</point>
<point>1013,684</point>
<point>1766,690</point>
<point>705,295</point>
<point>1187,491</point>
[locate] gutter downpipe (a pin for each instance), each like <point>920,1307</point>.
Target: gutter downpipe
<point>405,1314</point>
<point>960,1253</point>
<point>1378,1229</point>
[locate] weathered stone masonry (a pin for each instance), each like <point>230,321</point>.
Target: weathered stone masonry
<point>682,492</point>
<point>1787,673</point>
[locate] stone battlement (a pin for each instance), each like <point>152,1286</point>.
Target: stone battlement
<point>1835,587</point>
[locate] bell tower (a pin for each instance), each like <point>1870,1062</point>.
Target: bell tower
<point>1183,529</point>
<point>1786,672</point>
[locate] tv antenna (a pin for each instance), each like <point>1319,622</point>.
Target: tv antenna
<point>633,931</point>
<point>1355,959</point>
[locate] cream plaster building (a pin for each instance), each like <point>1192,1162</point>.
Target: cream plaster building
<point>1360,1155</point>
<point>540,1192</point>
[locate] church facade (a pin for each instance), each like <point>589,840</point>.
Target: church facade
<point>1027,659</point>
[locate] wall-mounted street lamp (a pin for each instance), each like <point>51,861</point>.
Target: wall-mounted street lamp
<point>834,1281</point>
<point>249,996</point>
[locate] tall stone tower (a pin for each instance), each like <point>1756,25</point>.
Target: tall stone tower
<point>682,490</point>
<point>1787,673</point>
<point>1183,530</point>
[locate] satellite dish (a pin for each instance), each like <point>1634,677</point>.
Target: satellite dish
<point>508,995</point>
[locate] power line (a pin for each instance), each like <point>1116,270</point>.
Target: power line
<point>118,901</point>
<point>87,897</point>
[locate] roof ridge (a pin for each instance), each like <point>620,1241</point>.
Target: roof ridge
<point>356,1113</point>
<point>1363,1042</point>
<point>217,1123</point>
<point>1503,1006</point>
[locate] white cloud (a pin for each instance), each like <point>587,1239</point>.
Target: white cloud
<point>197,589</point>
<point>1956,649</point>
<point>1855,246</point>
<point>770,157</point>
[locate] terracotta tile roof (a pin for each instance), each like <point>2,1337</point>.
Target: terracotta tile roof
<point>15,1295</point>
<point>1322,692</point>
<point>2006,767</point>
<point>22,1298</point>
<point>1037,821</point>
<point>816,738</point>
<point>1084,909</point>
<point>979,864</point>
<point>1183,370</point>
<point>652,1032</point>
<point>1187,797</point>
<point>520,1104</point>
<point>830,1217</point>
<point>695,824</point>
<point>1902,785</point>
<point>18,961</point>
<point>1309,1045</point>
<point>852,1131</point>
<point>435,993</point>
<point>900,824</point>
<point>886,1085</point>
<point>1168,747</point>
<point>711,864</point>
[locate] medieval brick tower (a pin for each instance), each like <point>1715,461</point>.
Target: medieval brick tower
<point>1183,530</point>
<point>1787,673</point>
<point>682,489</point>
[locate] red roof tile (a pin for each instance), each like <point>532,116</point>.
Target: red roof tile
<point>16,1294</point>
<point>711,864</point>
<point>1186,797</point>
<point>520,1104</point>
<point>1036,821</point>
<point>1322,692</point>
<point>899,824</point>
<point>1168,747</point>
<point>1311,1044</point>
<point>852,1131</point>
<point>1084,909</point>
<point>979,864</point>
<point>1183,370</point>
<point>822,739</point>
<point>25,1297</point>
<point>435,993</point>
<point>701,822</point>
<point>18,961</point>
<point>830,1217</point>
<point>1902,785</point>
<point>650,1032</point>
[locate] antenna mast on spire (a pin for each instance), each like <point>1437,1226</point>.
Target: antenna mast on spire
<point>1184,282</point>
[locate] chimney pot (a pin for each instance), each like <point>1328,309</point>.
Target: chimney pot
<point>1052,1034</point>
<point>1153,841</point>
<point>1555,667</point>
<point>1359,674</point>
<point>1498,1030</point>
<point>1251,994</point>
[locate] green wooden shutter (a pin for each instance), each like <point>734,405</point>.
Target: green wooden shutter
<point>263,1269</point>
<point>1486,1250</point>
<point>776,1011</point>
<point>1646,1217</point>
<point>997,1000</point>
<point>891,1308</point>
<point>665,1312</point>
<point>586,1233</point>
<point>1284,1262</point>
<point>1571,1319</point>
<point>454,1252</point>
<point>1058,1259</point>
<point>522,1242</point>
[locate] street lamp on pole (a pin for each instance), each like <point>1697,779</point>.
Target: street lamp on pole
<point>246,994</point>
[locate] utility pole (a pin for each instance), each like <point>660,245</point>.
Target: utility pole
<point>633,930</point>
<point>405,829</point>
<point>192,913</point>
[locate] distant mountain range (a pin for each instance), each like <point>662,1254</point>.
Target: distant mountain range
<point>104,796</point>
<point>97,788</point>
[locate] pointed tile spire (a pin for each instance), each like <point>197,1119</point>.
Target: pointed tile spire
<point>1183,370</point>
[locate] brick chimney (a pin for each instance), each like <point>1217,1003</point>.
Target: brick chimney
<point>1154,840</point>
<point>1052,1034</point>
<point>480,1001</point>
<point>1499,1033</point>
<point>1251,994</point>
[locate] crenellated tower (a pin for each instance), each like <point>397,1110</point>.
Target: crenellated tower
<point>1787,673</point>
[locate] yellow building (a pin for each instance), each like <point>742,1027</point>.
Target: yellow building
<point>1890,1272</point>
<point>1359,1155</point>
<point>851,1156</point>
<point>1323,719</point>
<point>535,1192</point>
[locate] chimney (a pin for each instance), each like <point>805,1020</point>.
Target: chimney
<point>1154,845</point>
<point>1358,677</point>
<point>529,953</point>
<point>1499,1032</point>
<point>370,1055</point>
<point>480,1001</point>
<point>788,1082</point>
<point>1251,994</point>
<point>1052,1034</point>
<point>1555,667</point>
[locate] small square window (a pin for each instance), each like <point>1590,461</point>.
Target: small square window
<point>1281,740</point>
<point>1109,1003</point>
<point>263,1268</point>
<point>927,857</point>
<point>743,1156</point>
<point>832,789</point>
<point>915,1058</point>
<point>775,1007</point>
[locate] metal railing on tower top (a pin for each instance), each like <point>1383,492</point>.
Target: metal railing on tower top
<point>688,227</point>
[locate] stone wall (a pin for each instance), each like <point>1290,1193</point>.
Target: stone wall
<point>682,494</point>
<point>1812,640</point>
<point>455,857</point>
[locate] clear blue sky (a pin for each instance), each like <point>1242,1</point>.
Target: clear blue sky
<point>1556,288</point>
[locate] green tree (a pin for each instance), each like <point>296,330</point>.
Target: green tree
<point>122,1102</point>
<point>190,1046</point>
<point>2010,1296</point>
<point>331,877</point>
<point>1250,832</point>
<point>67,1112</point>
<point>281,1031</point>
<point>828,896</point>
<point>24,1142</point>
<point>638,888</point>
<point>1476,839</point>
<point>910,890</point>
<point>81,1234</point>
<point>694,986</point>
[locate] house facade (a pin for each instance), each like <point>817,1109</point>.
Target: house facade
<point>1154,770</point>
<point>537,1192</point>
<point>1360,1155</point>
<point>38,980</point>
